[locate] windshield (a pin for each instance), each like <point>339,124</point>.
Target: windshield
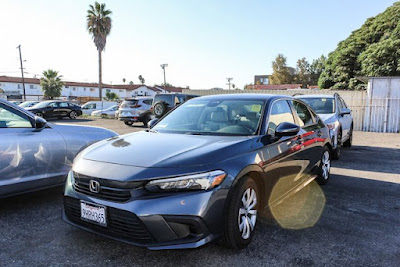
<point>321,105</point>
<point>214,117</point>
<point>27,104</point>
<point>41,105</point>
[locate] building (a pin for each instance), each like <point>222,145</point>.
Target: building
<point>261,79</point>
<point>12,88</point>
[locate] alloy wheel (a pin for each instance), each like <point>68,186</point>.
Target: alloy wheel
<point>158,110</point>
<point>72,115</point>
<point>326,165</point>
<point>247,213</point>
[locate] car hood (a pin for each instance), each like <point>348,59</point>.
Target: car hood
<point>162,150</point>
<point>87,130</point>
<point>327,117</point>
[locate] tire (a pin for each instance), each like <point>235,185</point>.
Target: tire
<point>72,115</point>
<point>129,123</point>
<point>241,215</point>
<point>104,116</point>
<point>336,152</point>
<point>324,167</point>
<point>159,109</point>
<point>146,121</point>
<point>349,141</point>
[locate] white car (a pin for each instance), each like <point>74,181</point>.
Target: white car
<point>91,106</point>
<point>109,112</point>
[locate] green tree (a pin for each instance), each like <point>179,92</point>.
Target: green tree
<point>123,80</point>
<point>303,72</point>
<point>280,71</point>
<point>131,83</point>
<point>381,59</point>
<point>316,68</point>
<point>99,27</point>
<point>111,96</point>
<point>51,84</point>
<point>370,50</point>
<point>141,79</point>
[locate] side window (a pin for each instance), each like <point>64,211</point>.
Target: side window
<point>12,119</point>
<point>148,102</point>
<point>342,102</point>
<point>53,105</point>
<point>338,103</point>
<point>280,112</point>
<point>63,105</point>
<point>303,113</point>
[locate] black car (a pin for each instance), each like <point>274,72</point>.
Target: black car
<point>163,103</point>
<point>202,172</point>
<point>56,108</point>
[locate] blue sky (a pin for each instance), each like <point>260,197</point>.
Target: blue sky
<point>203,42</point>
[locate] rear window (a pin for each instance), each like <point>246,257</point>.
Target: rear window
<point>129,103</point>
<point>321,105</point>
<point>169,99</point>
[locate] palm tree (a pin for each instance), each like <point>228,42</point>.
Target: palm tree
<point>51,84</point>
<point>99,27</point>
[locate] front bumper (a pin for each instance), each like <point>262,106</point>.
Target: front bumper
<point>171,221</point>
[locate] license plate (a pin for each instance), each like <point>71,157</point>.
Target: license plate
<point>93,213</point>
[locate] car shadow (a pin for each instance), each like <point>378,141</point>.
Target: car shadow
<point>369,158</point>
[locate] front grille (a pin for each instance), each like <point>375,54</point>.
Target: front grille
<point>107,191</point>
<point>121,224</point>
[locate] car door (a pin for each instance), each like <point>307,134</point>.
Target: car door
<point>50,110</point>
<point>282,168</point>
<point>63,109</point>
<point>29,159</point>
<point>312,143</point>
<point>346,119</point>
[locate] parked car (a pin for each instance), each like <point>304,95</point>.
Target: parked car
<point>56,108</point>
<point>91,106</point>
<point>135,109</point>
<point>28,104</point>
<point>202,172</point>
<point>163,103</point>
<point>16,102</point>
<point>109,112</point>
<point>35,154</point>
<point>334,112</point>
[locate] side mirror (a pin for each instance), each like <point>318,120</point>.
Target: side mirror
<point>286,129</point>
<point>40,123</point>
<point>345,111</point>
<point>152,122</point>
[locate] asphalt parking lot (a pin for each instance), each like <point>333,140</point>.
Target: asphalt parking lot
<point>359,224</point>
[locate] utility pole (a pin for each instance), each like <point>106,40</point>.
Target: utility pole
<point>22,71</point>
<point>163,66</point>
<point>229,82</point>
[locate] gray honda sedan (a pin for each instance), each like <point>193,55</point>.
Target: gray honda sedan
<point>35,154</point>
<point>203,171</point>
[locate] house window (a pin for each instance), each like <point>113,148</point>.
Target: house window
<point>91,89</point>
<point>32,86</point>
<point>84,89</point>
<point>19,86</point>
<point>119,90</point>
<point>66,87</point>
<point>74,89</point>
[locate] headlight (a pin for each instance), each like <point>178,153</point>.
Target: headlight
<point>201,181</point>
<point>332,125</point>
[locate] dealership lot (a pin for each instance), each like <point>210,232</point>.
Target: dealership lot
<point>359,224</point>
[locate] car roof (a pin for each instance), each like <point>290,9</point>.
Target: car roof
<point>314,96</point>
<point>138,98</point>
<point>244,96</point>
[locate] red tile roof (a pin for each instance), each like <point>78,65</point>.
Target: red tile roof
<point>171,88</point>
<point>77,84</point>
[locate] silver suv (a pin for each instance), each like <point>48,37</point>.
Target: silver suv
<point>334,112</point>
<point>135,109</point>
